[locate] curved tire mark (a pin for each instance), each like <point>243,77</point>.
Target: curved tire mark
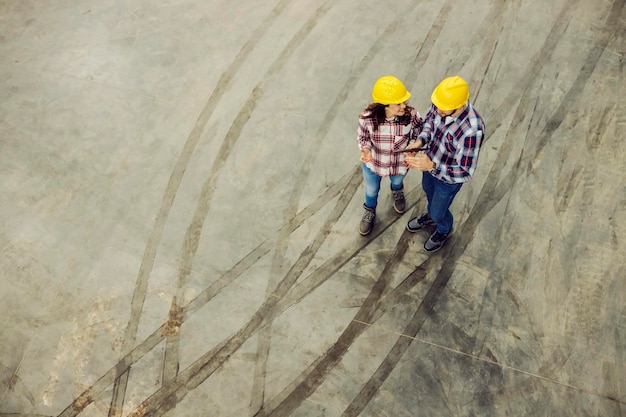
<point>263,347</point>
<point>96,391</point>
<point>147,263</point>
<point>322,366</point>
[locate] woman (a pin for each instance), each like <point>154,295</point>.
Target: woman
<point>386,127</point>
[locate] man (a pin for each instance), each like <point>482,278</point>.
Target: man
<point>452,134</point>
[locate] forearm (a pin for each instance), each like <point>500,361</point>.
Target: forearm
<point>363,138</point>
<point>426,133</point>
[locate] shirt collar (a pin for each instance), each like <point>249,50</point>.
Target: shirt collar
<point>448,120</point>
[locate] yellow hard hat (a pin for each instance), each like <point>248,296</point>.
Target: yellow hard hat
<point>451,94</point>
<point>389,90</point>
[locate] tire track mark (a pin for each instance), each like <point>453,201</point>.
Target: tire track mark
<point>334,264</point>
<point>537,61</point>
<point>488,33</point>
<point>484,207</point>
<point>332,113</point>
<point>572,96</point>
<point>194,231</point>
<point>610,27</point>
<point>320,275</point>
<point>205,366</point>
<point>493,37</point>
<point>492,193</point>
<point>526,85</point>
<point>372,309</point>
<point>322,366</point>
<point>391,360</point>
<point>557,125</point>
<point>303,388</point>
<point>567,184</point>
<point>600,119</point>
<point>139,294</point>
<point>310,379</point>
<point>583,307</point>
<point>257,393</point>
<point>429,42</point>
<point>95,392</point>
<point>401,345</point>
<point>264,337</point>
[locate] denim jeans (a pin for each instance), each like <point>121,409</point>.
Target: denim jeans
<point>372,185</point>
<point>440,195</point>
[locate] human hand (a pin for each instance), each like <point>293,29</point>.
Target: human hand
<point>366,155</point>
<point>421,161</point>
<point>415,145</point>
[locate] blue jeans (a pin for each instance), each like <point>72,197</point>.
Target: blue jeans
<point>440,195</point>
<point>372,185</point>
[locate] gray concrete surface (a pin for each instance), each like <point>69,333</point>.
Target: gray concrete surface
<point>181,198</point>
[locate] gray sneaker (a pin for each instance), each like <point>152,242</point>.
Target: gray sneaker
<point>418,223</point>
<point>367,222</point>
<point>399,203</point>
<point>436,241</point>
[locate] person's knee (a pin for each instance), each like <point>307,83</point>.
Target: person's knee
<point>372,190</point>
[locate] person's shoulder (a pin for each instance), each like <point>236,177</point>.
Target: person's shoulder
<point>472,113</point>
<point>474,119</point>
<point>365,114</point>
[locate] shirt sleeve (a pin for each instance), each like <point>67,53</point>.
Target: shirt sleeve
<point>466,158</point>
<point>416,126</point>
<point>363,134</point>
<point>426,133</point>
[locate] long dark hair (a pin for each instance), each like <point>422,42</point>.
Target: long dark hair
<point>376,112</point>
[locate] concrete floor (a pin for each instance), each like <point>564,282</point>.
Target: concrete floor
<point>181,196</point>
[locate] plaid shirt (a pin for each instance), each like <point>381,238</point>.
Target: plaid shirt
<point>453,143</point>
<point>390,136</point>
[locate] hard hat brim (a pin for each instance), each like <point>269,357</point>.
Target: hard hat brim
<point>398,101</point>
<point>435,100</point>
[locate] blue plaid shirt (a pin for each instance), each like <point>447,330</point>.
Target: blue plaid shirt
<point>453,144</point>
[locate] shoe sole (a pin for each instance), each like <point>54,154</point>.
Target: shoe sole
<point>367,233</point>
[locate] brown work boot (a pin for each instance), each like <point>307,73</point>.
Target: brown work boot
<point>367,222</point>
<point>399,203</point>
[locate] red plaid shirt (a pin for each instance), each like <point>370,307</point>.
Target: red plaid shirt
<point>390,136</point>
